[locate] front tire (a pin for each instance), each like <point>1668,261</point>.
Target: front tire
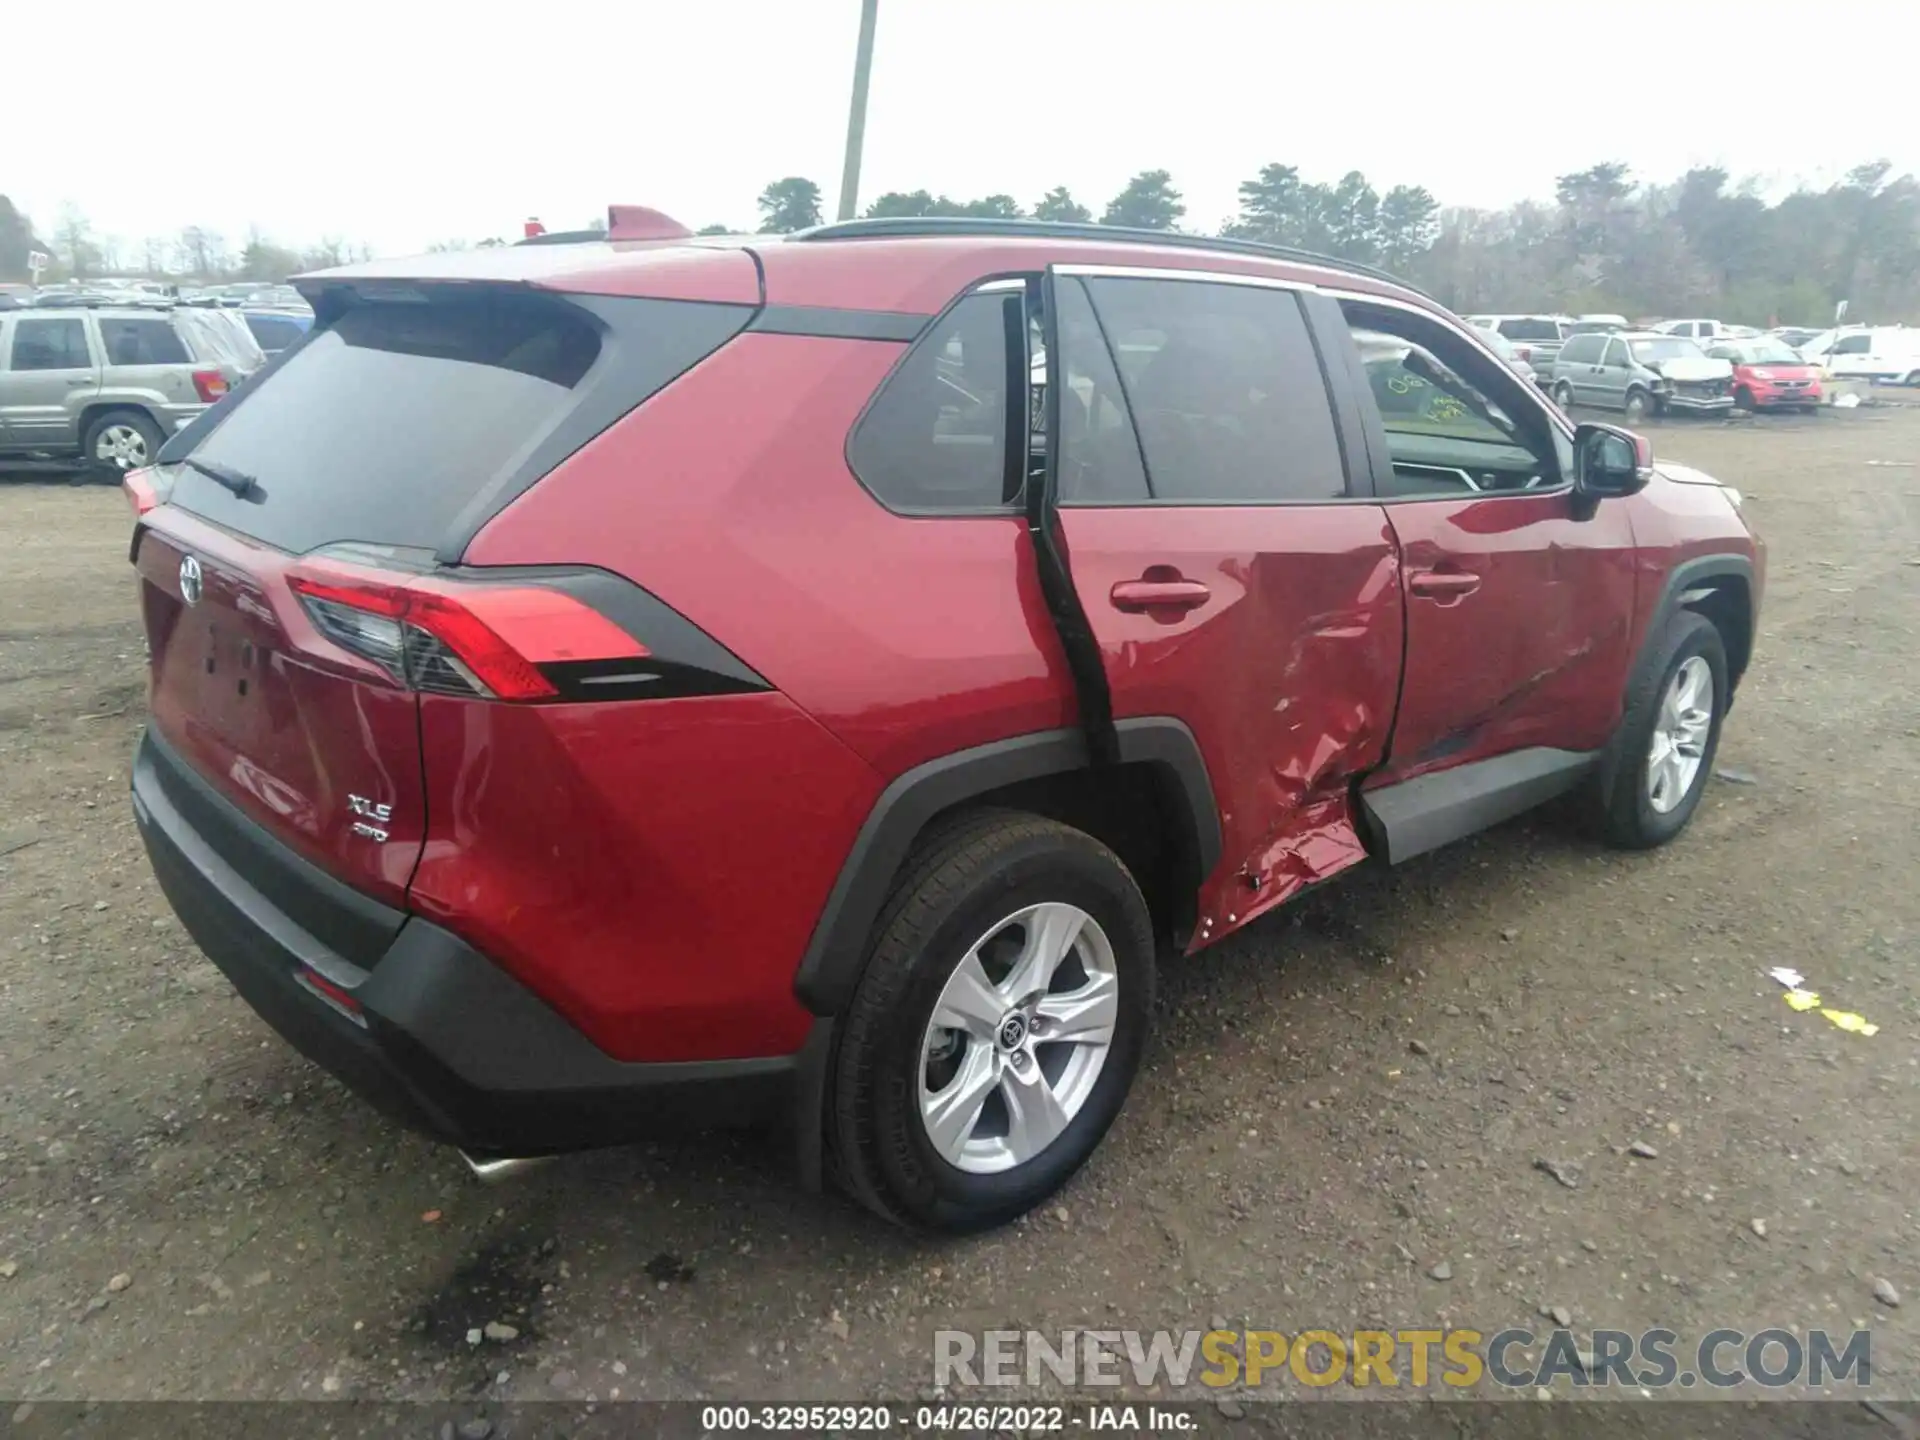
<point>997,1028</point>
<point>1743,399</point>
<point>119,441</point>
<point>1637,406</point>
<point>1663,753</point>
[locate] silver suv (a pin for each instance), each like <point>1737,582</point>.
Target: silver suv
<point>107,385</point>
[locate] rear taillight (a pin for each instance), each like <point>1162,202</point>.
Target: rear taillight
<point>210,383</point>
<point>1525,352</point>
<point>139,489</point>
<point>481,641</point>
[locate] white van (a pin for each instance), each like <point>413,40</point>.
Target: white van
<point>1887,353</point>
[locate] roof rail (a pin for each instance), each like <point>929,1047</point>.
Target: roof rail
<point>924,226</point>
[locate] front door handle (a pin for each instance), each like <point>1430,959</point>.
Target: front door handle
<point>80,382</point>
<point>1136,596</point>
<point>1443,585</point>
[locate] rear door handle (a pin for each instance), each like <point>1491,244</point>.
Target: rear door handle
<point>1443,584</point>
<point>1135,596</point>
<point>87,381</point>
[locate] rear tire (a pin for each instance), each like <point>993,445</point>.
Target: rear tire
<point>947,1128</point>
<point>1663,753</point>
<point>1563,395</point>
<point>119,441</point>
<point>1636,406</point>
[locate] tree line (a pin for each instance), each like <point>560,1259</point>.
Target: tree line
<point>77,252</point>
<point>1699,245</point>
<point>1608,242</point>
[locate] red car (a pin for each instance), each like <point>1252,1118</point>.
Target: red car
<point>1769,376</point>
<point>653,682</point>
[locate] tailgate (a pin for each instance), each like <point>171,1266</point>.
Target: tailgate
<point>319,746</point>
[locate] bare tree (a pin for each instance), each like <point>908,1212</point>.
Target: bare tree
<point>203,252</point>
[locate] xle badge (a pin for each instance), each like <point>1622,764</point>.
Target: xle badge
<point>360,805</point>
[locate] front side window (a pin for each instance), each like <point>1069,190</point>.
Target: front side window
<point>1457,423</point>
<point>50,345</point>
<point>1225,390</point>
<point>1845,345</point>
<point>935,437</point>
<point>1616,355</point>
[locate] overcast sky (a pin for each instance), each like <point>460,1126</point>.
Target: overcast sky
<point>404,122</point>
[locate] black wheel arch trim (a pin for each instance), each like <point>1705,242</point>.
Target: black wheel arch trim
<point>1688,575</point>
<point>831,966</point>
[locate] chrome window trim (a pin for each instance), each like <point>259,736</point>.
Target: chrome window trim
<point>1155,272</point>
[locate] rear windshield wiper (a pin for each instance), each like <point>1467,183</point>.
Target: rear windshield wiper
<point>238,481</point>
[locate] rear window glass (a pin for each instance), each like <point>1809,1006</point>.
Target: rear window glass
<point>142,342</point>
<point>406,423</point>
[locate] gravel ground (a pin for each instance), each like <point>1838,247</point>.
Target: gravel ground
<point>1341,1103</point>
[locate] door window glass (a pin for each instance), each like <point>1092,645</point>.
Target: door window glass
<point>1457,422</point>
<point>1225,390</point>
<point>50,345</point>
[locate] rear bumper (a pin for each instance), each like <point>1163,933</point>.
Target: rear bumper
<point>431,1032</point>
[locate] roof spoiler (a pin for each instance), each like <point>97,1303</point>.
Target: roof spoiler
<point>624,222</point>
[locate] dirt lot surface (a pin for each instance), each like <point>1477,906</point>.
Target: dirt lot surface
<point>1339,1104</point>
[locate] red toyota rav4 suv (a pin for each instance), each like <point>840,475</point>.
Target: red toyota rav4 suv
<point>655,681</point>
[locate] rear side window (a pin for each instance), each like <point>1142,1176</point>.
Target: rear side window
<point>398,416</point>
<point>1225,390</point>
<point>1527,327</point>
<point>935,437</point>
<point>50,345</point>
<point>141,342</point>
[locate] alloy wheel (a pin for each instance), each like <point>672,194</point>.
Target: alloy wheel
<point>1680,734</point>
<point>1018,1038</point>
<point>122,447</point>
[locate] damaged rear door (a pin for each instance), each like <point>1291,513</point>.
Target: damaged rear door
<point>1228,576</point>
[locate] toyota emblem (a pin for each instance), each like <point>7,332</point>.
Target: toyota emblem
<point>190,580</point>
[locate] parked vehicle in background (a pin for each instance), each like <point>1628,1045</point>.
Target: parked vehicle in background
<point>1587,325</point>
<point>1611,322</point>
<point>521,698</point>
<point>1794,336</point>
<point>1699,330</point>
<point>1510,353</point>
<point>108,385</point>
<point>1536,338</point>
<point>1640,373</point>
<point>275,330</point>
<point>1769,375</point>
<point>1889,354</point>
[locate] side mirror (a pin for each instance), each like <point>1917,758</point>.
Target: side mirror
<point>1609,461</point>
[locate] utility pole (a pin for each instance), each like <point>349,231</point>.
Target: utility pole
<point>857,116</point>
